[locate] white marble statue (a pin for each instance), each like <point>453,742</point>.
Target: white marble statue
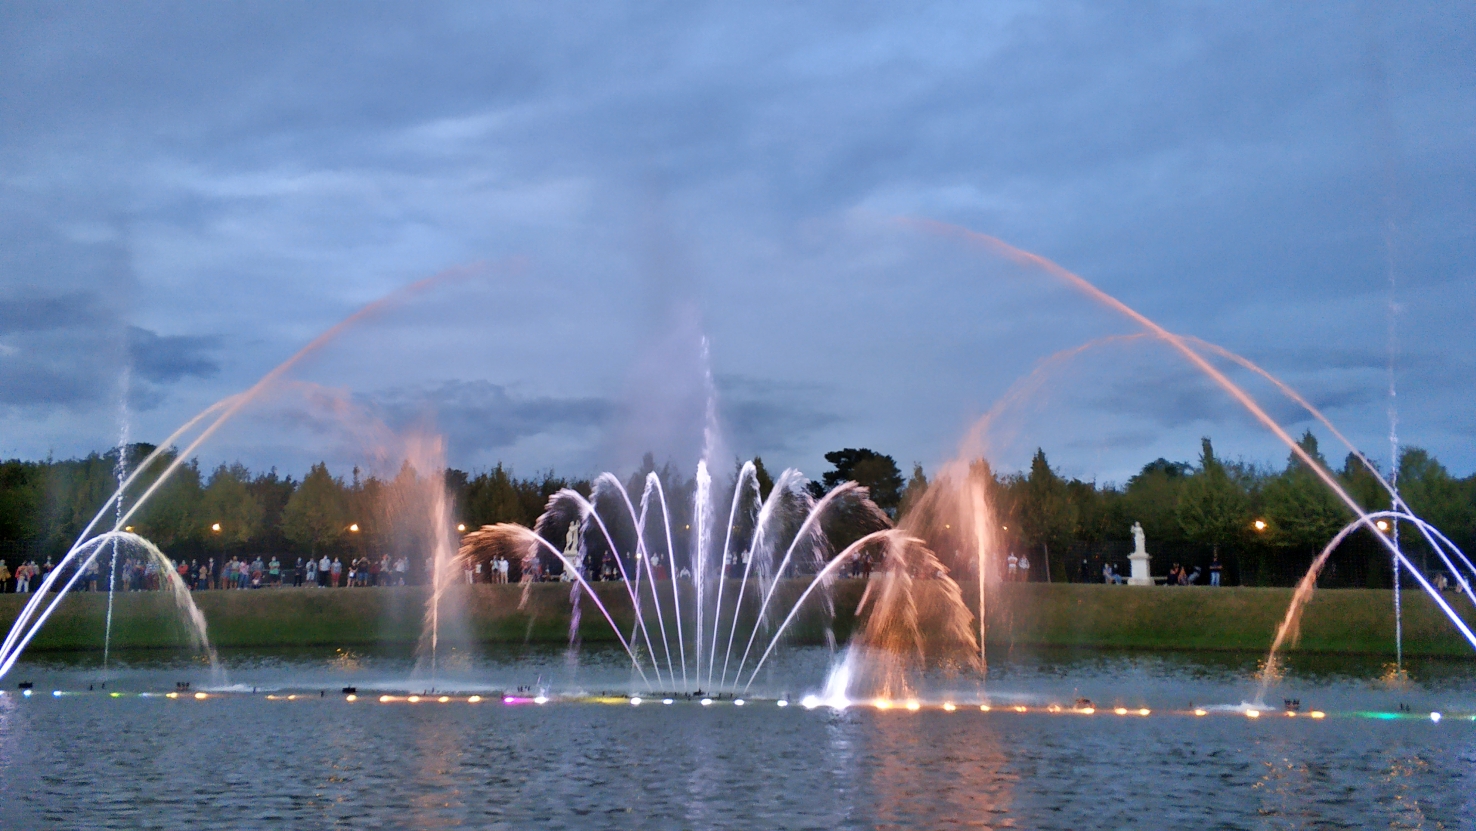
<point>1138,560</point>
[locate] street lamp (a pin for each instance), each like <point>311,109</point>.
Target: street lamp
<point>1259,525</point>
<point>215,527</point>
<point>1382,525</point>
<point>461,527</point>
<point>354,528</point>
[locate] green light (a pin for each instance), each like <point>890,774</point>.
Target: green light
<point>115,695</point>
<point>1380,716</point>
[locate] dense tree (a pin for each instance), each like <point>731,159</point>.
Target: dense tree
<point>315,514</point>
<point>1212,508</point>
<point>1048,517</point>
<point>872,470</point>
<point>229,503</point>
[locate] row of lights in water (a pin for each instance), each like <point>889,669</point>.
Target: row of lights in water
<point>808,702</point>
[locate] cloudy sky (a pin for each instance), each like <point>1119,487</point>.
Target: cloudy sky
<point>190,193</point>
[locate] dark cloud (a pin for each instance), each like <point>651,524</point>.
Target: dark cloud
<point>1249,173</point>
<point>479,418</point>
<point>165,359</point>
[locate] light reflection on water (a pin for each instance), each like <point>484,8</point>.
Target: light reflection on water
<point>245,762</point>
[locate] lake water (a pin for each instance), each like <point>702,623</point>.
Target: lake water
<point>240,759</point>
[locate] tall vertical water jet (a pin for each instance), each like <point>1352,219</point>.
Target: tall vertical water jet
<point>120,472</point>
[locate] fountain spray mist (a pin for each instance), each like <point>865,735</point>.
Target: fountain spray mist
<point>120,470</point>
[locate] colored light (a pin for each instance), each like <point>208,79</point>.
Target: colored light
<point>882,704</point>
<point>385,699</point>
<point>115,695</point>
<point>1019,708</point>
<point>1054,708</point>
<point>201,696</point>
<point>983,708</point>
<point>1291,713</point>
<point>914,706</point>
<point>473,699</point>
<point>289,698</point>
<point>1198,712</point>
<point>1145,711</point>
<point>1317,714</point>
<point>171,695</point>
<point>1122,711</point>
<point>1086,711</point>
<point>351,697</point>
<point>414,699</point>
<point>948,706</point>
<point>444,699</point>
<point>1252,713</point>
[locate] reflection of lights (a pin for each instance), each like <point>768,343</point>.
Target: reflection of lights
<point>473,699</point>
<point>351,697</point>
<point>201,696</point>
<point>1317,714</point>
<point>1435,717</point>
<point>949,707</point>
<point>914,706</point>
<point>1122,711</point>
<point>782,703</point>
<point>707,702</point>
<point>1019,708</point>
<point>635,701</point>
<point>414,699</point>
<point>444,699</point>
<point>1252,713</point>
<point>1199,712</point>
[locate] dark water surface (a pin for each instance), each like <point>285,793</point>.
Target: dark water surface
<point>240,760</point>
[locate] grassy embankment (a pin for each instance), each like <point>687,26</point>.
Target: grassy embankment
<point>1085,616</point>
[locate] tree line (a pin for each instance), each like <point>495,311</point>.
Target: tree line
<point>1265,523</point>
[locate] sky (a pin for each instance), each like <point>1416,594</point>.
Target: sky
<point>685,228</point>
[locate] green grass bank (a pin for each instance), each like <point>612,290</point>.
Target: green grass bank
<point>1351,621</point>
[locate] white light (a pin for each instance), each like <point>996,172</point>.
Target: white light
<point>542,699</point>
<point>26,693</point>
<point>635,701</point>
<point>737,702</point>
<point>56,693</point>
<point>706,702</point>
<point>1435,717</point>
<point>666,701</point>
<point>810,702</point>
<point>782,703</point>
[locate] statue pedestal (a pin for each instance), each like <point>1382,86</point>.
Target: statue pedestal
<point>1140,576</point>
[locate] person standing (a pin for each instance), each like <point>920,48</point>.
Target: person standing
<point>325,573</point>
<point>274,571</point>
<point>1024,568</point>
<point>1215,569</point>
<point>336,569</point>
<point>1013,567</point>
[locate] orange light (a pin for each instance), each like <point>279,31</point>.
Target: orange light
<point>474,699</point>
<point>882,704</point>
<point>983,708</point>
<point>443,699</point>
<point>385,699</point>
<point>215,526</point>
<point>1317,714</point>
<point>914,706</point>
<point>461,526</point>
<point>354,528</point>
<point>1201,712</point>
<point>1259,525</point>
<point>1122,711</point>
<point>414,699</point>
<point>1382,525</point>
<point>201,696</point>
<point>949,707</point>
<point>1019,708</point>
<point>1252,713</point>
<point>351,697</point>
